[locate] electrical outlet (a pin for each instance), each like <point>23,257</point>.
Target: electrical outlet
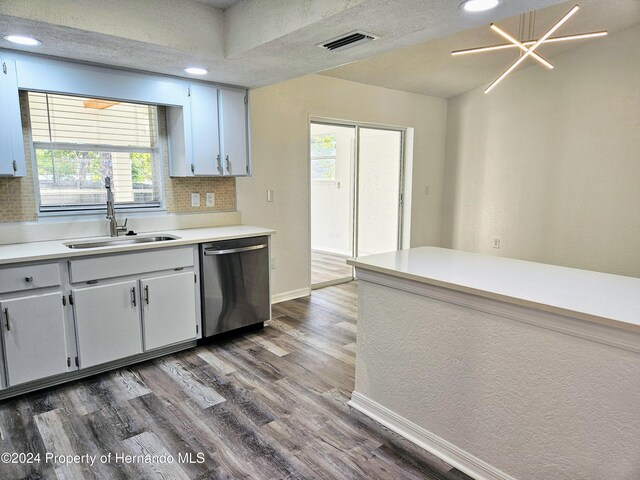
<point>495,242</point>
<point>211,199</point>
<point>273,263</point>
<point>195,199</point>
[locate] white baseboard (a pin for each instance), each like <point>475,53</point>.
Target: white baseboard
<point>290,295</point>
<point>454,456</point>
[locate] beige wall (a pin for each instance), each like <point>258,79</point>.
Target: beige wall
<point>550,162</point>
<point>280,142</point>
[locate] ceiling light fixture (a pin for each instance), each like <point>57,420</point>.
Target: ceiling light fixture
<point>196,71</point>
<point>563,38</point>
<point>479,5</point>
<point>23,40</point>
<point>516,43</point>
<point>530,50</point>
<point>528,47</point>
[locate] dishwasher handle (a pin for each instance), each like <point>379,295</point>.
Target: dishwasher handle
<point>208,252</point>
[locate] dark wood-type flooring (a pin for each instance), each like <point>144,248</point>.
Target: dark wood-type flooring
<point>267,404</point>
<point>326,267</point>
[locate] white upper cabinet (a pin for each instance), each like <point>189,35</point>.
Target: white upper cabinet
<point>233,132</point>
<point>207,125</point>
<point>204,130</point>
<point>12,160</point>
<point>211,138</point>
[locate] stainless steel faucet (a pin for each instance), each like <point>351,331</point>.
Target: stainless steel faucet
<point>114,228</point>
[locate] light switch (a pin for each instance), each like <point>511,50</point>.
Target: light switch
<point>269,195</point>
<point>195,199</point>
<point>211,199</point>
<point>495,242</point>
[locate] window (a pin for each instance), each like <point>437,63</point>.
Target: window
<point>79,141</point>
<point>323,157</point>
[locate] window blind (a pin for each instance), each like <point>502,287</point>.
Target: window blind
<point>78,141</point>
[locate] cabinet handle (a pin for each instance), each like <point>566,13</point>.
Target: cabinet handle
<point>146,294</point>
<point>28,279</point>
<point>212,251</point>
<point>219,165</point>
<point>133,296</point>
<point>4,68</point>
<point>6,314</point>
<point>228,164</point>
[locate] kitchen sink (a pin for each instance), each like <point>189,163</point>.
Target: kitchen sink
<point>126,240</point>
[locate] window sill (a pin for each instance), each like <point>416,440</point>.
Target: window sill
<point>97,214</point>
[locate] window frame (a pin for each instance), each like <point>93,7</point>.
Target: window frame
<point>96,210</point>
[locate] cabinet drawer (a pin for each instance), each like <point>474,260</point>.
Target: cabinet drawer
<point>28,277</point>
<point>121,265</point>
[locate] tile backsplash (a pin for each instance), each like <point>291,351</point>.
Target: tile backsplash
<point>178,190</point>
<point>17,195</point>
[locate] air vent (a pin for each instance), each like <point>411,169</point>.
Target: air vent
<point>348,40</point>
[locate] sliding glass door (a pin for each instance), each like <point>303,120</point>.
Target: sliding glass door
<point>356,196</point>
<point>379,191</point>
<point>332,201</point>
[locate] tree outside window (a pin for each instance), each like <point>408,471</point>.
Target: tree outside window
<point>323,157</point>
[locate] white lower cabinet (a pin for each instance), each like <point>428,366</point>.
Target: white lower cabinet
<point>109,308</point>
<point>168,309</point>
<point>107,322</point>
<point>33,333</point>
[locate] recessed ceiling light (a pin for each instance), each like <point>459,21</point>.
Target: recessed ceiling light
<point>196,71</point>
<point>22,40</point>
<point>479,5</point>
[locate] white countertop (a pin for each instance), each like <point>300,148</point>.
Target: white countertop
<point>607,299</point>
<point>35,251</point>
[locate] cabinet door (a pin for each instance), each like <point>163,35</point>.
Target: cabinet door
<point>12,160</point>
<point>204,130</point>
<point>179,139</point>
<point>233,132</point>
<point>168,309</point>
<point>107,322</point>
<point>34,338</point>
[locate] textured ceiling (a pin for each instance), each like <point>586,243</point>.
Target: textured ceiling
<point>252,43</point>
<point>429,69</point>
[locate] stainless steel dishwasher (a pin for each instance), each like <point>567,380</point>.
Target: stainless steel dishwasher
<point>235,284</point>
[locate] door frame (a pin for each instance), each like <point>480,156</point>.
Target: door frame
<point>355,175</point>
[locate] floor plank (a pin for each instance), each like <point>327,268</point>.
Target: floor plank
<point>200,393</point>
<point>57,442</point>
<point>215,361</point>
<point>326,266</point>
<point>148,444</point>
<point>265,404</point>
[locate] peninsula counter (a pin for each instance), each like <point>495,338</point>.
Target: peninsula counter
<point>504,368</point>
